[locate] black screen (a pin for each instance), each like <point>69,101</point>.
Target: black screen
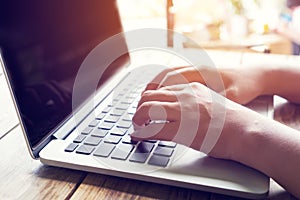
<point>43,45</point>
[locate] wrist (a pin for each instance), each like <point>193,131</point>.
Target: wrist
<point>280,81</point>
<point>232,136</point>
<point>252,141</point>
<point>269,81</point>
<point>245,135</point>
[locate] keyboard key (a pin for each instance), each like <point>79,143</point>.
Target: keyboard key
<point>130,84</point>
<point>142,152</point>
<point>122,151</point>
<point>94,141</point>
<point>94,123</point>
<point>167,144</point>
<point>121,94</point>
<point>106,110</point>
<point>127,140</point>
<point>106,125</point>
<point>85,149</point>
<point>104,150</point>
<point>127,118</point>
<point>159,161</point>
<point>151,141</point>
<point>99,132</point>
<point>126,102</point>
<point>71,147</point>
<point>131,97</point>
<point>116,112</point>
<point>111,119</point>
<point>79,138</point>
<point>139,157</point>
<point>135,104</point>
<point>114,101</point>
<point>122,106</point>
<point>118,131</point>
<point>101,116</point>
<point>124,124</point>
<point>113,139</point>
<point>87,130</point>
<point>144,147</point>
<point>131,111</point>
<point>110,105</point>
<point>163,151</point>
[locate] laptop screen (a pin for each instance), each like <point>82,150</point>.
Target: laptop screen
<point>43,45</point>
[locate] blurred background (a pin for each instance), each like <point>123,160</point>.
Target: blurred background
<point>235,25</point>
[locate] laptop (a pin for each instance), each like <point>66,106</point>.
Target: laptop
<point>81,120</point>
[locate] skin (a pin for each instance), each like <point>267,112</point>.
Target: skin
<point>246,137</point>
<point>288,32</point>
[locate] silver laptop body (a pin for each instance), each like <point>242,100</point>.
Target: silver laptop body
<point>87,127</point>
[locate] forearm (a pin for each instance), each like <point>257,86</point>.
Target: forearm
<point>270,147</point>
<point>291,34</point>
<point>283,81</point>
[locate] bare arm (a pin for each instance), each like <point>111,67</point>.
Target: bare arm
<point>241,84</point>
<point>246,137</point>
<point>288,32</point>
<point>270,147</point>
<point>283,81</point>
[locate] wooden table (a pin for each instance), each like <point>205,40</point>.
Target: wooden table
<point>24,178</point>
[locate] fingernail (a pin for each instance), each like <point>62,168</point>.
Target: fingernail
<point>134,135</point>
<point>136,127</point>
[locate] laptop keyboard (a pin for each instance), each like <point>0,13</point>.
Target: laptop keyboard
<point>108,134</point>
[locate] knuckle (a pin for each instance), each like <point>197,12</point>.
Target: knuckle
<point>172,73</point>
<point>195,85</point>
<point>232,93</point>
<point>147,93</point>
<point>149,85</point>
<point>146,96</point>
<point>184,95</point>
<point>145,105</point>
<point>165,71</point>
<point>134,119</point>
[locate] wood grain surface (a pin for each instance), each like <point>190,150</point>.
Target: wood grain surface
<point>8,116</point>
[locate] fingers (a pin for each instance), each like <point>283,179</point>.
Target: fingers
<point>182,76</point>
<point>157,95</point>
<point>154,110</point>
<point>161,104</point>
<point>153,85</point>
<point>174,88</point>
<point>162,131</point>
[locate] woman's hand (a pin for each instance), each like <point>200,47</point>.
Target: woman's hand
<point>175,106</point>
<point>239,85</point>
<point>208,117</point>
